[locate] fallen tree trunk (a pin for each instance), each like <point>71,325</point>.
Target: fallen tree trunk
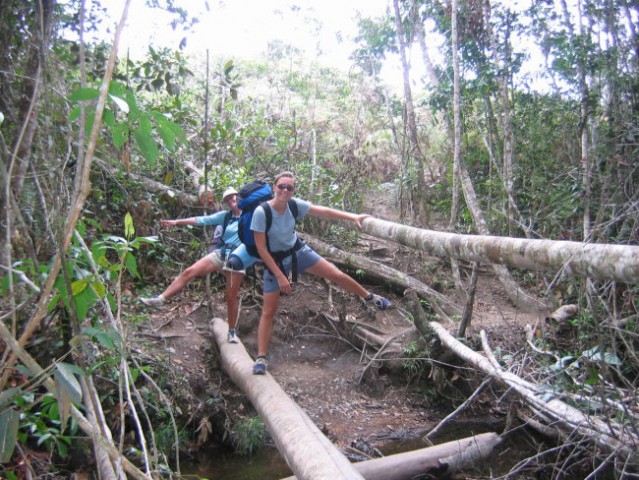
<point>607,434</point>
<point>441,305</point>
<point>441,460</point>
<point>390,349</point>
<point>309,454</point>
<point>592,260</point>
<point>157,188</point>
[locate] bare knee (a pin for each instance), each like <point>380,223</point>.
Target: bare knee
<point>189,274</point>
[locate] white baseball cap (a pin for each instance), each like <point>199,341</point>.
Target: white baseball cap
<point>227,192</point>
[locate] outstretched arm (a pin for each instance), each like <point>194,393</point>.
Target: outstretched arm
<point>178,222</point>
<point>332,213</point>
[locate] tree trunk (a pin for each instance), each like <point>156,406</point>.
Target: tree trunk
<point>515,294</point>
<point>584,121</point>
<point>457,129</point>
<point>439,460</point>
<point>460,177</point>
<point>308,452</point>
<point>457,132</point>
<point>591,260</point>
<point>414,151</point>
<point>28,107</point>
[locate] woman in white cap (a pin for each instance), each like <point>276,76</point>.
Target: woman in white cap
<point>214,261</point>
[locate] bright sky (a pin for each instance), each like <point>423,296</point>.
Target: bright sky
<point>243,28</point>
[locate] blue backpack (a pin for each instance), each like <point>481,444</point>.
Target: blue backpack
<point>253,195</point>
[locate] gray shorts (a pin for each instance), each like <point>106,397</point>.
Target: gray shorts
<point>306,258</point>
<point>216,258</point>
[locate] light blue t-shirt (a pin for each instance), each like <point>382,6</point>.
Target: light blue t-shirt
<point>281,235</point>
<point>230,237</point>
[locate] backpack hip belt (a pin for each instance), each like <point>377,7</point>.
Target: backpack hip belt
<point>226,249</point>
<point>280,256</point>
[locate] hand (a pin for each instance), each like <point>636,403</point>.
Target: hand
<point>359,218</point>
<point>168,223</point>
<point>285,285</point>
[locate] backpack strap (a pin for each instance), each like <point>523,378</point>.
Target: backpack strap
<point>227,220</point>
<point>292,205</point>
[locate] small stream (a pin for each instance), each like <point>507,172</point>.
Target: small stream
<point>222,464</point>
<point>267,464</point>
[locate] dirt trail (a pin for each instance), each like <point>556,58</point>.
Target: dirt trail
<point>319,369</point>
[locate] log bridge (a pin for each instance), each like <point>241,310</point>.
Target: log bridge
<point>312,456</point>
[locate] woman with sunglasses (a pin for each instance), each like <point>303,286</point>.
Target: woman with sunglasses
<point>283,238</point>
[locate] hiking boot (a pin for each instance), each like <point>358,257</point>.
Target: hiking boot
<point>259,367</point>
<point>232,337</point>
<point>155,302</point>
<point>379,301</point>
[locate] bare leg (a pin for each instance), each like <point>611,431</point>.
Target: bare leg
<point>200,268</point>
<point>233,283</point>
<point>327,270</point>
<point>265,328</point>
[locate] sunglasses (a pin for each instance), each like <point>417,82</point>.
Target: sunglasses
<point>283,186</point>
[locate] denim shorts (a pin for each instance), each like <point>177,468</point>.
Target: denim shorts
<point>306,258</point>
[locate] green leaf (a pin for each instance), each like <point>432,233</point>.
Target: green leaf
<point>178,132</point>
<point>131,265</point>
<point>83,303</point>
<point>99,288</point>
<point>129,228</point>
<point>7,396</point>
<point>147,145</point>
<point>108,118</point>
<point>168,137</point>
<point>109,339</point>
<point>1,118</point>
<point>85,93</point>
<point>9,424</point>
<point>79,286</point>
<point>117,89</point>
<point>120,135</point>
<point>65,376</point>
<point>89,123</point>
<point>228,67</point>
<point>151,240</point>
<point>105,340</point>
<point>98,250</point>
<point>75,113</point>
